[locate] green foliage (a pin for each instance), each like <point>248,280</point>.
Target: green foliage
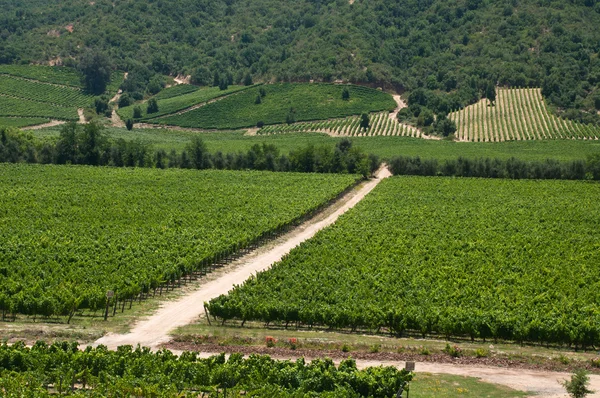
<point>10,106</point>
<point>175,91</point>
<point>95,68</point>
<point>47,74</point>
<point>577,387</point>
<point>44,92</point>
<point>140,372</point>
<point>129,125</point>
<point>364,121</point>
<point>129,230</point>
<point>170,101</point>
<point>308,102</point>
<point>21,121</point>
<point>445,257</point>
<point>152,106</point>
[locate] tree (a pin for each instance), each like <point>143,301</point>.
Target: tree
<point>490,93</point>
<point>129,124</point>
<point>152,106</point>
<point>137,112</point>
<point>198,153</point>
<point>216,79</point>
<point>248,79</point>
<point>577,386</point>
<point>95,69</point>
<point>258,100</point>
<point>444,126</point>
<point>345,94</point>
<point>223,85</point>
<point>364,121</point>
<point>101,105</point>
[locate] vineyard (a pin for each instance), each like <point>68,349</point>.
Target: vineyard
<point>444,257</point>
<point>47,370</point>
<point>32,92</point>
<point>380,124</point>
<point>176,99</point>
<point>518,114</point>
<point>278,103</point>
<point>21,107</point>
<point>70,234</point>
<point>21,121</point>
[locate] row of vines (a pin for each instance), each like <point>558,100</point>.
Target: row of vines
<point>473,258</point>
<point>47,370</point>
<point>518,114</point>
<point>70,234</point>
<point>379,124</point>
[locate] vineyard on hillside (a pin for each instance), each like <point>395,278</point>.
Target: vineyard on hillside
<point>70,234</point>
<point>443,256</point>
<point>62,368</point>
<point>175,99</point>
<point>28,93</point>
<point>518,114</point>
<point>278,103</point>
<point>379,124</point>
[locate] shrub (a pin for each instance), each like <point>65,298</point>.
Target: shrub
<point>293,342</point>
<point>577,386</point>
<point>424,351</point>
<point>345,348</point>
<point>270,341</point>
<point>595,362</point>
<point>374,348</point>
<point>152,106</point>
<point>260,124</point>
<point>482,353</point>
<point>454,351</point>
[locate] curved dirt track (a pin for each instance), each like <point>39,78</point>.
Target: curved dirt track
<point>155,330</point>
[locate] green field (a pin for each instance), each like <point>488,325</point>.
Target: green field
<point>21,121</point>
<point>33,92</point>
<point>304,101</point>
<point>518,114</point>
<point>27,108</point>
<point>384,146</point>
<point>176,103</point>
<point>69,234</point>
<point>513,260</point>
<point>47,74</point>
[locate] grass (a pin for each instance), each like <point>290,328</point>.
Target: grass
<point>302,101</point>
<point>427,385</point>
<point>385,147</point>
<point>173,104</point>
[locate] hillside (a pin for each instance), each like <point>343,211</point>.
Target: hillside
<point>451,48</point>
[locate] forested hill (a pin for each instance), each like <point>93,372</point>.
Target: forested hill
<point>446,46</point>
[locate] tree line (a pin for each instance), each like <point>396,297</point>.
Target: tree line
<point>512,168</point>
<point>88,145</point>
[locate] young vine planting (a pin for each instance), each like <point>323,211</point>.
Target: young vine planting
<point>518,114</point>
<point>44,92</point>
<point>487,259</point>
<point>380,124</point>
<point>70,234</point>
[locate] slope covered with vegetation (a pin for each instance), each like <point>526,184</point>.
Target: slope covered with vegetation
<point>443,256</point>
<point>452,49</point>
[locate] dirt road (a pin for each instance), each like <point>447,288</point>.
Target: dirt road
<point>155,330</point>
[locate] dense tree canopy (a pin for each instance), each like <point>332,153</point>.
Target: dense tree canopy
<point>449,48</point>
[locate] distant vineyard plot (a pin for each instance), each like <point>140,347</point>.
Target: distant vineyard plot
<point>380,124</point>
<point>443,256</point>
<point>31,92</point>
<point>280,103</point>
<point>70,234</point>
<point>175,99</point>
<point>518,114</point>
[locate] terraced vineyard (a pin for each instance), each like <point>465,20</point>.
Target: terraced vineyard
<point>44,92</point>
<point>380,125</point>
<point>176,99</point>
<point>444,256</point>
<point>21,107</point>
<point>302,102</point>
<point>47,74</point>
<point>519,114</point>
<point>69,234</point>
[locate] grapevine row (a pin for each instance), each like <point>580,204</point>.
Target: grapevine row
<point>518,114</point>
